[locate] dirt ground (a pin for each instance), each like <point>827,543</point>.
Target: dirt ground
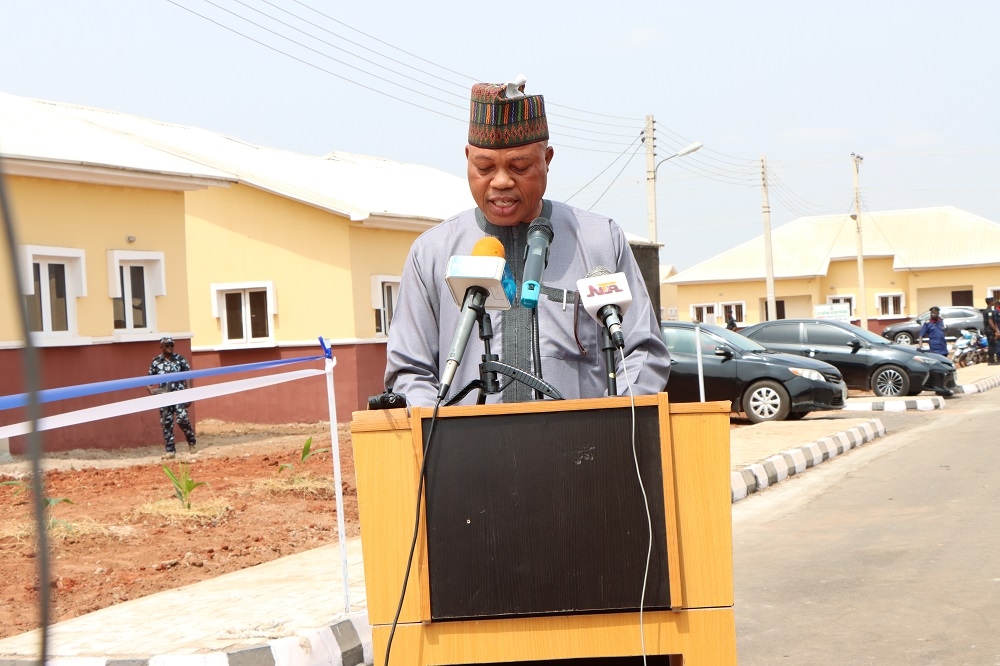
<point>124,534</point>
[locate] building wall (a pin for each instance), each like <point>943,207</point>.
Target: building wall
<point>69,366</point>
<point>921,290</point>
<point>321,266</point>
<point>95,219</point>
<point>374,252</point>
<point>357,375</point>
<point>242,234</point>
<point>936,287</point>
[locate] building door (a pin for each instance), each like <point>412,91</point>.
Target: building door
<point>779,307</point>
<point>962,298</point>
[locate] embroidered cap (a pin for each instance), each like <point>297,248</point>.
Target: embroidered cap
<point>502,116</point>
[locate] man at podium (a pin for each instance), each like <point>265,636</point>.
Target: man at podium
<point>508,160</point>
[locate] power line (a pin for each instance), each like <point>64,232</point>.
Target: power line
<point>349,41</point>
<point>313,65</point>
<point>616,177</point>
<point>346,64</point>
<point>392,46</point>
<point>603,170</point>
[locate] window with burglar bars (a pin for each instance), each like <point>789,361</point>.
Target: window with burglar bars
<point>704,312</point>
<point>245,310</point>
<point>53,279</point>
<point>735,309</point>
<point>891,305</point>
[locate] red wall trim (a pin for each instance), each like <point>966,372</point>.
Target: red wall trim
<point>357,375</point>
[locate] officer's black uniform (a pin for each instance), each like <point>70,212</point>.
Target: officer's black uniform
<point>991,313</point>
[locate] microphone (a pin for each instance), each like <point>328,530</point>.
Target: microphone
<point>606,297</point>
<point>479,280</point>
<point>536,258</point>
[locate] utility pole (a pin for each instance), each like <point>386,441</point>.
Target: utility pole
<point>650,140</point>
<point>772,307</point>
<point>863,296</point>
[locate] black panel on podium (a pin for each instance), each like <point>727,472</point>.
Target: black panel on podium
<point>535,514</point>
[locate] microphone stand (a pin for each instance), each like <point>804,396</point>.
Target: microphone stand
<point>608,348</point>
<point>488,382</point>
<point>536,351</point>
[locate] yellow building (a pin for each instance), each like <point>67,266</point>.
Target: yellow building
<point>913,259</point>
<point>254,255</point>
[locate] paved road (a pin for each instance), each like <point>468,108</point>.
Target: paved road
<point>888,555</point>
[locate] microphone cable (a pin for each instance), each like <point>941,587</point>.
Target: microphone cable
<point>32,373</point>
<point>645,501</point>
<point>416,529</point>
<point>536,350</point>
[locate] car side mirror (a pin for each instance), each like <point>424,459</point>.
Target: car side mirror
<point>854,343</point>
<point>723,352</point>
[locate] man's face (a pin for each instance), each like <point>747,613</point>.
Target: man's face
<point>508,183</point>
<point>167,349</point>
<point>935,314</point>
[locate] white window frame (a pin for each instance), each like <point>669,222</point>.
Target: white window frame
<point>994,292</point>
<point>741,304</point>
<point>219,291</point>
<point>75,261</point>
<point>693,312</point>
<point>890,295</point>
<point>378,283</point>
<point>154,275</point>
<point>834,299</point>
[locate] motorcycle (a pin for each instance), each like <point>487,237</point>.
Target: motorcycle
<point>967,350</point>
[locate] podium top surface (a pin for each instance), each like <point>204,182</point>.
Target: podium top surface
<point>399,418</point>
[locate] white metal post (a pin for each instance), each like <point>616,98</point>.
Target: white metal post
<point>335,450</point>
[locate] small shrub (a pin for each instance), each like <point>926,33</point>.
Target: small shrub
<point>184,485</point>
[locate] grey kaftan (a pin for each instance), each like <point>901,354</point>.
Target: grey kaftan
<point>426,316</point>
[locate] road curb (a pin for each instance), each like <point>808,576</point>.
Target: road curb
<point>780,466</point>
<point>347,642</point>
<point>918,404</point>
<point>980,386</point>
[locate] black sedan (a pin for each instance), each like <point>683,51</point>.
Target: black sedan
<point>956,320</point>
<point>765,385</point>
<point>867,361</point>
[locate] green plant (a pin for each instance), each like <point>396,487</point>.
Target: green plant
<point>22,486</point>
<point>19,486</point>
<point>307,453</point>
<point>184,485</point>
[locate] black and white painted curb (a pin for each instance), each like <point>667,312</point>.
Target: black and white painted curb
<point>782,465</point>
<point>920,404</point>
<point>347,642</point>
<point>980,386</point>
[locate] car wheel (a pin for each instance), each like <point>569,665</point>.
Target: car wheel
<point>903,338</point>
<point>766,400</point>
<point>890,380</point>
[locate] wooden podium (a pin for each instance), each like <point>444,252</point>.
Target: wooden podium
<point>533,533</point>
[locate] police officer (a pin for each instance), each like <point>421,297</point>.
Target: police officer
<point>988,315</point>
<point>933,332</point>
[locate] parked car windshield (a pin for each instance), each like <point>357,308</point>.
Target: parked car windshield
<point>735,339</point>
<point>741,342</point>
<point>869,336</point>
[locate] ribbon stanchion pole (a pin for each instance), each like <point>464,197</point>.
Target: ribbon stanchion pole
<point>335,449</point>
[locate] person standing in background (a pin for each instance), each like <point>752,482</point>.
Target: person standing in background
<point>166,363</point>
<point>989,330</point>
<point>933,332</point>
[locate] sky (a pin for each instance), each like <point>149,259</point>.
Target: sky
<point>909,86</point>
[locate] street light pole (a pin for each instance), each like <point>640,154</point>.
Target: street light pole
<point>651,166</point>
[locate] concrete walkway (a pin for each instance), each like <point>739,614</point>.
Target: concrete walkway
<point>291,611</point>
